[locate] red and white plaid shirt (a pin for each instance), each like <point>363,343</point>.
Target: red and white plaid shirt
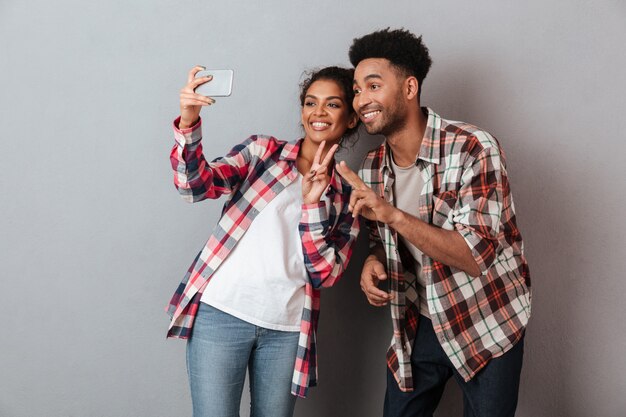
<point>253,173</point>
<point>465,189</point>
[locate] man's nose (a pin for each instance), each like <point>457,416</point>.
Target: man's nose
<point>361,101</point>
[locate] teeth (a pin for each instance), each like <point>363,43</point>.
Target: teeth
<point>370,114</point>
<point>320,124</point>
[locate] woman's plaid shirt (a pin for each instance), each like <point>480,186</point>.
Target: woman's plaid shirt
<point>253,173</point>
<point>465,189</point>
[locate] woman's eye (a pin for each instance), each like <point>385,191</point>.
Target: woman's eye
<point>309,103</point>
<point>333,105</point>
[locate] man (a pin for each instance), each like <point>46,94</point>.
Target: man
<point>443,232</point>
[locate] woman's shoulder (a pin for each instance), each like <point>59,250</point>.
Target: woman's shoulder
<point>261,144</point>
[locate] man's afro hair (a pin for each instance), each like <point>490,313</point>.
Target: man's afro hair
<point>399,46</point>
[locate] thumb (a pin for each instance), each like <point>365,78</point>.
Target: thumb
<point>379,270</point>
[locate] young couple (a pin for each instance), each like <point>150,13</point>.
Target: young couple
<point>443,235</point>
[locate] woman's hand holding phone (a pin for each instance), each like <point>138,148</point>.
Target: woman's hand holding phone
<point>191,102</point>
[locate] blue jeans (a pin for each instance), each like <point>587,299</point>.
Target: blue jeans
<point>220,350</point>
<point>492,392</point>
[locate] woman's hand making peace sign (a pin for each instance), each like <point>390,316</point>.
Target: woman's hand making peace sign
<point>315,182</point>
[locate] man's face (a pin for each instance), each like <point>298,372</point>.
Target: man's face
<point>378,98</point>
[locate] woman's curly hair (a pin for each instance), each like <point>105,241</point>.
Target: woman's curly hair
<point>344,79</point>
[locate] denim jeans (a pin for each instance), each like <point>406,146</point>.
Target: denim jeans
<point>492,392</point>
<point>220,350</point>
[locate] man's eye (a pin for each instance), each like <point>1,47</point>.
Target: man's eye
<point>374,86</point>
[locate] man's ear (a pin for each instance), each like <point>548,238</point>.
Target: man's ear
<point>412,88</point>
<point>354,119</point>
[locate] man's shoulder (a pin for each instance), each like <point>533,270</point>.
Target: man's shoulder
<point>371,165</point>
<point>373,159</point>
<point>472,138</point>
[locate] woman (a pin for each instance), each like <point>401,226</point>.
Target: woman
<point>250,299</point>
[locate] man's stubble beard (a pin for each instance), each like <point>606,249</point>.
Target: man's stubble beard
<point>394,121</point>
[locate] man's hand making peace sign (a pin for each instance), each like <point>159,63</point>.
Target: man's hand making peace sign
<point>364,201</point>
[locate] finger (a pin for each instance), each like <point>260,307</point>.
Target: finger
<point>349,175</point>
<point>318,154</point>
<point>357,208</point>
<point>199,81</point>
<point>320,176</point>
<point>359,194</point>
<point>190,103</point>
<point>378,295</point>
<point>194,96</point>
<point>195,102</point>
<point>329,156</point>
<point>376,300</point>
<point>352,202</point>
<point>379,271</point>
<point>192,73</point>
<point>353,199</point>
<point>377,304</point>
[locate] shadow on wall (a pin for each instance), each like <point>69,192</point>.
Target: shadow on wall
<point>351,332</point>
<point>490,100</point>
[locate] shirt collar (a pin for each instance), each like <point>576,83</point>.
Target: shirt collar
<point>429,149</point>
<point>290,151</point>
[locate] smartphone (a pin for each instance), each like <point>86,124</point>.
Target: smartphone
<point>220,86</point>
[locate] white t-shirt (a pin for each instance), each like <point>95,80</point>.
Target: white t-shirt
<point>262,280</point>
<point>409,179</point>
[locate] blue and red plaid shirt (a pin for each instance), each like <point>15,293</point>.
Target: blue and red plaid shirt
<point>253,173</point>
<point>466,189</point>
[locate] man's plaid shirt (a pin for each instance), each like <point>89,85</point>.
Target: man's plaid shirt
<point>253,173</point>
<point>465,189</point>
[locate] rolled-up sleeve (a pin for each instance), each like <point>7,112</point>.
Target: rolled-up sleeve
<point>478,214</point>
<point>194,177</point>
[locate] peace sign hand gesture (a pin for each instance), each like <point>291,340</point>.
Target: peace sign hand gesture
<point>364,201</point>
<point>315,182</point>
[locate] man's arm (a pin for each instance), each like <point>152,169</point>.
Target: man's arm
<point>445,246</point>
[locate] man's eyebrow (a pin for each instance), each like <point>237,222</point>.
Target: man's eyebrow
<point>369,77</point>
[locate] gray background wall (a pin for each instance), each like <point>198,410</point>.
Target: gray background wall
<point>93,238</point>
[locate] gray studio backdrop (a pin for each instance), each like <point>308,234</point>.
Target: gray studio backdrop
<point>94,239</point>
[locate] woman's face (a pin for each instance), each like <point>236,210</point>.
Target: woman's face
<point>325,113</point>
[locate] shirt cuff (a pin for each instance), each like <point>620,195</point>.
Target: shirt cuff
<point>483,251</point>
<point>188,135</point>
<point>314,214</point>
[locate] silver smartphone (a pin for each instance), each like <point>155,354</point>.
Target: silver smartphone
<point>220,86</point>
